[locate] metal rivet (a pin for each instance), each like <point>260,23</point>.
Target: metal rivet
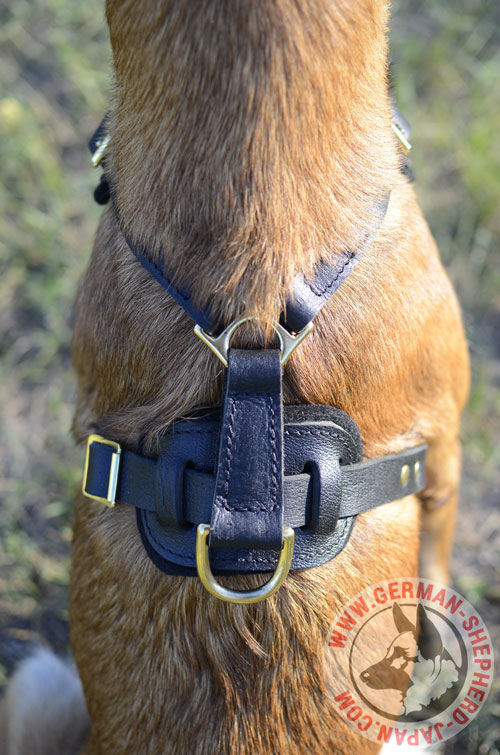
<point>405,474</point>
<point>416,470</point>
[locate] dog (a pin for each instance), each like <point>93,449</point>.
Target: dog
<point>248,141</point>
<point>416,663</point>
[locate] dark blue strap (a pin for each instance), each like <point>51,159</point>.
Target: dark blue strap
<point>135,480</point>
<point>205,318</point>
<point>247,507</point>
<point>307,298</point>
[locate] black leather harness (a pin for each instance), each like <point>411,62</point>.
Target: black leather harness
<point>261,483</point>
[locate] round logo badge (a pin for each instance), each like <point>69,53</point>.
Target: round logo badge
<point>408,662</point>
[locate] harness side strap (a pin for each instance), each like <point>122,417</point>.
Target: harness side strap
<point>364,485</point>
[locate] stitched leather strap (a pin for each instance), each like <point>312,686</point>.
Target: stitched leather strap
<point>364,486</point>
<point>170,508</point>
<point>309,296</point>
<point>247,507</point>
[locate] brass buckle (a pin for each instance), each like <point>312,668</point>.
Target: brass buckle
<point>242,596</point>
<point>113,470</point>
<point>220,344</point>
<point>102,145</point>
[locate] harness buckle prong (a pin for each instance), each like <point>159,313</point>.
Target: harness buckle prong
<point>220,344</point>
<point>242,596</point>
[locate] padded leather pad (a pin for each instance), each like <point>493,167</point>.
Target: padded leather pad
<point>317,440</point>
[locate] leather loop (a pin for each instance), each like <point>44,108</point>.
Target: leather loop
<point>326,492</point>
<point>247,509</point>
<point>169,478</point>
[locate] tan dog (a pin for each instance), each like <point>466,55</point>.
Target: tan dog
<point>249,140</point>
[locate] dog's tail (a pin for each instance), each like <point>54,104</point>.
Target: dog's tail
<point>43,711</point>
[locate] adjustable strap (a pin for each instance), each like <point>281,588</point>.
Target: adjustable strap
<point>173,494</point>
<point>247,507</point>
<point>308,296</point>
<point>364,486</point>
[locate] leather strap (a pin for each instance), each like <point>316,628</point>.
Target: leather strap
<point>246,518</point>
<point>247,509</point>
<point>309,296</point>
<point>364,486</point>
<point>169,508</point>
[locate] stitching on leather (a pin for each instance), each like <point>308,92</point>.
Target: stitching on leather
<point>325,434</point>
<point>274,459</point>
<point>182,554</point>
<point>297,557</point>
<point>145,262</point>
<point>322,292</point>
<point>229,454</point>
<point>221,501</point>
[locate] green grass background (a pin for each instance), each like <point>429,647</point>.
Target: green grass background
<point>54,88</point>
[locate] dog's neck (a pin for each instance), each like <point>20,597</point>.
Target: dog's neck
<point>248,138</point>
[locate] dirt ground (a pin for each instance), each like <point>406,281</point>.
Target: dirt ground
<point>54,89</point>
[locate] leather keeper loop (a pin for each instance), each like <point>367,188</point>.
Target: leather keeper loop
<point>176,456</point>
<point>169,492</point>
<point>326,494</point>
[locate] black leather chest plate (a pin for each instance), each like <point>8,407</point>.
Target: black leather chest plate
<point>317,441</point>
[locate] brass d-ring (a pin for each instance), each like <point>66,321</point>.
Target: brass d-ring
<point>242,596</point>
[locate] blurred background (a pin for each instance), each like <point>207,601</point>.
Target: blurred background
<point>54,90</point>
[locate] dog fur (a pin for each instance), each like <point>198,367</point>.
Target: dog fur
<point>249,140</point>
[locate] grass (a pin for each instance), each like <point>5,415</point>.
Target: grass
<point>54,69</point>
<point>54,65</point>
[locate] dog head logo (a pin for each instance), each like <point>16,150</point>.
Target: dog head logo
<point>416,663</point>
<point>408,662</point>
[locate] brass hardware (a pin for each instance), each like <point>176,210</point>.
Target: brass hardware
<point>220,344</point>
<point>416,470</point>
<point>102,145</point>
<point>405,144</point>
<point>405,474</point>
<point>113,470</point>
<point>242,596</point>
